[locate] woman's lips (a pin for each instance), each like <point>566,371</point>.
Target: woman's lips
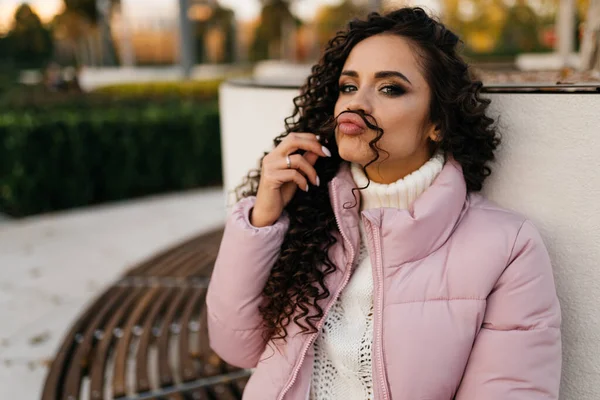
<point>349,128</point>
<point>351,124</point>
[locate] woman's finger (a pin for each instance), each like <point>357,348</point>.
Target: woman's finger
<point>296,141</point>
<point>311,157</point>
<point>292,175</point>
<point>300,163</point>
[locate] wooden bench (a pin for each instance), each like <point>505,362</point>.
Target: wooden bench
<point>145,337</point>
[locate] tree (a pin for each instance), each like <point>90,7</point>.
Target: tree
<point>88,8</point>
<point>98,14</point>
<point>270,35</point>
<point>520,32</point>
<point>221,19</point>
<point>332,18</point>
<point>491,25</point>
<point>29,43</point>
<point>71,32</point>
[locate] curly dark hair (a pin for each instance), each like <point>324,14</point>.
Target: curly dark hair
<point>295,287</point>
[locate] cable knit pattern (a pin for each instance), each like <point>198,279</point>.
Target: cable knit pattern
<point>342,365</point>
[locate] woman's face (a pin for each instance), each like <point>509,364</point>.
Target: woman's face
<point>382,77</point>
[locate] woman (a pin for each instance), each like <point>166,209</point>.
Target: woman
<point>387,276</point>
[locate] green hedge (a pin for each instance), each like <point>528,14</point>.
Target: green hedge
<point>63,158</point>
<point>23,97</point>
<point>191,89</point>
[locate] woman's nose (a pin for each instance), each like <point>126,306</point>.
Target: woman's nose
<point>360,101</point>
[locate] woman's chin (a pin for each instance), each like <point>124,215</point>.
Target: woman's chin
<point>352,155</point>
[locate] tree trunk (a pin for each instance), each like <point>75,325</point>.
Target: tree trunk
<point>126,50</point>
<point>590,47</point>
<point>288,39</point>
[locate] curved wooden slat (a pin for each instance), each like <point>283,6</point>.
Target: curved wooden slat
<point>186,363</point>
<point>211,365</point>
<point>171,268</point>
<point>141,362</point>
<point>164,369</point>
<point>80,361</point>
<point>122,347</point>
<point>207,241</point>
<point>146,267</point>
<point>53,385</point>
<point>187,267</point>
<point>209,362</point>
<point>103,346</point>
<point>166,291</point>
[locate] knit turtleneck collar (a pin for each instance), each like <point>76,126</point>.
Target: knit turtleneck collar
<point>399,194</point>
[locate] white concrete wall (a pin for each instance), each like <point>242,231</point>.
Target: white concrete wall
<point>548,168</point>
<point>96,77</point>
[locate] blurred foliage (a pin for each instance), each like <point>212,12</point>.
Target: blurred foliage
<point>520,30</point>
<point>71,32</point>
<point>28,44</point>
<point>62,150</point>
<point>80,154</point>
<point>495,28</point>
<point>274,15</point>
<point>221,19</point>
<point>332,18</point>
<point>87,8</point>
<point>8,77</point>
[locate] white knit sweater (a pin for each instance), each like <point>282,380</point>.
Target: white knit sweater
<point>342,366</point>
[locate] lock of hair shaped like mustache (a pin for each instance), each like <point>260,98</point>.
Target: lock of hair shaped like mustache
<point>327,130</point>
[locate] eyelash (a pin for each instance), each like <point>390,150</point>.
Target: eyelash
<point>396,90</point>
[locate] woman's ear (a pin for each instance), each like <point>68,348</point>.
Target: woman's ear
<point>436,134</point>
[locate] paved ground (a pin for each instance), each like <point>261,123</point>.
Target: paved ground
<point>52,266</point>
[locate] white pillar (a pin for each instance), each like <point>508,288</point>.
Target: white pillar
<point>590,47</point>
<point>566,30</point>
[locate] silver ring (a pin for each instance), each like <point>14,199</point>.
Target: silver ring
<point>289,162</point>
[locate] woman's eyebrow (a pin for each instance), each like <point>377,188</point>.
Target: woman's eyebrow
<point>388,74</point>
<point>378,75</point>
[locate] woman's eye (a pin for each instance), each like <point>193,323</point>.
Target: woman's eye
<point>347,88</point>
<point>393,90</point>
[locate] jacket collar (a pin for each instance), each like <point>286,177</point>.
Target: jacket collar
<point>405,235</point>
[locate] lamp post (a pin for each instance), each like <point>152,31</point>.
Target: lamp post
<point>186,45</point>
<point>104,8</point>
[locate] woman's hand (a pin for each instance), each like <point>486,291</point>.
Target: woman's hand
<point>278,183</point>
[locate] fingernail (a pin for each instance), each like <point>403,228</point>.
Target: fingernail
<point>306,190</point>
<point>326,151</point>
<point>318,137</point>
<point>318,181</point>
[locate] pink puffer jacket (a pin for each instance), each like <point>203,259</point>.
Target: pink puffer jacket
<point>465,305</point>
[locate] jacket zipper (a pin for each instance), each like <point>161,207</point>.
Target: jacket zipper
<point>346,279</point>
<point>379,269</point>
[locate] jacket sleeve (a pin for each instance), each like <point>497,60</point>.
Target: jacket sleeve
<point>517,352</point>
<point>243,264</point>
